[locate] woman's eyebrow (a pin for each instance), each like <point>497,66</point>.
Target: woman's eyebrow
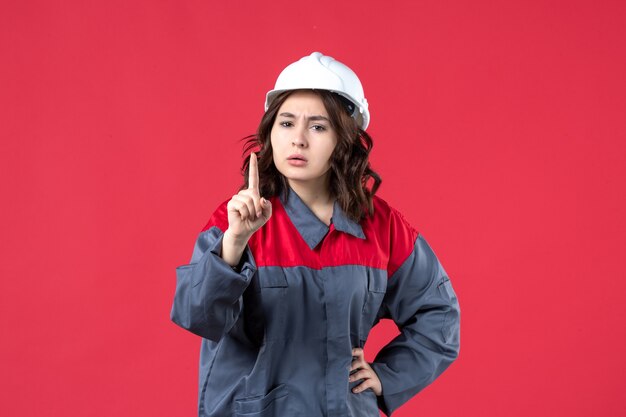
<point>317,117</point>
<point>320,117</point>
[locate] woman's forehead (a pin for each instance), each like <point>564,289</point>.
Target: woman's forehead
<point>303,101</point>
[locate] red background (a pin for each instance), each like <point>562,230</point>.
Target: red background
<point>499,132</point>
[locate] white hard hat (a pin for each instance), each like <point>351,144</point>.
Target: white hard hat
<point>318,71</point>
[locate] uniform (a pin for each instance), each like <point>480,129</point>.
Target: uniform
<point>278,331</point>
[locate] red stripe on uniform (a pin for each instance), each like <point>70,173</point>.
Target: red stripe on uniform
<point>279,243</point>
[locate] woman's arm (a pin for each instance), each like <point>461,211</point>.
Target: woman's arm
<point>209,291</point>
<point>422,303</point>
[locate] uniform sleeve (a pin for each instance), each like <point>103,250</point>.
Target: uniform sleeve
<point>422,303</point>
<point>208,297</point>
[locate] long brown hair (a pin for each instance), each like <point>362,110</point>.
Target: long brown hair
<point>350,170</point>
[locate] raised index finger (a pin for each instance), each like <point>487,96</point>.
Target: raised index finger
<point>253,173</point>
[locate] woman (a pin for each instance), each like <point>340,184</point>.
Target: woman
<point>289,275</point>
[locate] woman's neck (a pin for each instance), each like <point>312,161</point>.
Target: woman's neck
<point>314,195</point>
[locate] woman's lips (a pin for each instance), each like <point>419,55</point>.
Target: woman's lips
<point>296,160</point>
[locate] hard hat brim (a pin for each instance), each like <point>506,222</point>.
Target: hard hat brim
<point>360,114</point>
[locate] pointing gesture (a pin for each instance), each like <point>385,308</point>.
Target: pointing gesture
<point>253,173</point>
<point>247,210</point>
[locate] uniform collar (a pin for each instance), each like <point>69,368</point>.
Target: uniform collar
<point>310,227</point>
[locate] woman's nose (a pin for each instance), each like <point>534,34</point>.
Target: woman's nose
<point>299,139</point>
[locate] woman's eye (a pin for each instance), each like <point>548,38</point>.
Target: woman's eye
<point>286,124</point>
<point>319,127</point>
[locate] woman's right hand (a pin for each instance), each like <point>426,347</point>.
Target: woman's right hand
<point>247,210</point>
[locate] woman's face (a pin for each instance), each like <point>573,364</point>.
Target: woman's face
<point>303,139</point>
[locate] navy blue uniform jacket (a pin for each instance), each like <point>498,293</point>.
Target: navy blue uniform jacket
<point>278,335</point>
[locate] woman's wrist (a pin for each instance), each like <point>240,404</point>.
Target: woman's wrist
<point>238,241</point>
<point>232,248</point>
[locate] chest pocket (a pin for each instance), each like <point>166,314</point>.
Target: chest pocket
<point>271,300</point>
<point>376,288</point>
